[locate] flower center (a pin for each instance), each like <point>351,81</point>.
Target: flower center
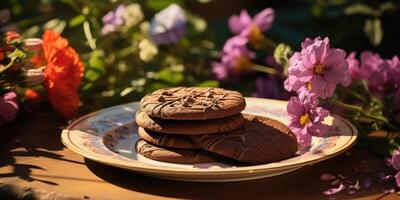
<point>309,86</point>
<point>304,119</point>
<point>243,63</point>
<point>319,69</point>
<point>256,37</point>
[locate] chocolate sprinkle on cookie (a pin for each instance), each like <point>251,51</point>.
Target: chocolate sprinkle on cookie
<point>260,140</point>
<point>192,103</point>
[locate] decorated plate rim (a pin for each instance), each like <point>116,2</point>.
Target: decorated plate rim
<point>140,166</point>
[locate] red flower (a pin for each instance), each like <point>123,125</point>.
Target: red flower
<point>64,71</point>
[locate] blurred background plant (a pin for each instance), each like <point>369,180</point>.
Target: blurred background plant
<point>123,61</point>
<point>128,49</point>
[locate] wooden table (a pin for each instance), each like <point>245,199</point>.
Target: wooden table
<point>34,161</point>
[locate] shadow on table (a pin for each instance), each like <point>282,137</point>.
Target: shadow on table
<point>37,136</point>
<point>301,184</point>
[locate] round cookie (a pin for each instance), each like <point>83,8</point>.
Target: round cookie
<point>189,127</point>
<point>260,140</point>
<point>173,155</point>
<point>165,140</point>
<point>192,103</point>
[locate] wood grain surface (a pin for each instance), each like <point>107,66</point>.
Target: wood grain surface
<point>33,159</point>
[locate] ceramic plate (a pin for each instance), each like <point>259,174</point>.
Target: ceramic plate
<point>109,136</point>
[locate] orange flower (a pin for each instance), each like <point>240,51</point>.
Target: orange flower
<point>64,71</point>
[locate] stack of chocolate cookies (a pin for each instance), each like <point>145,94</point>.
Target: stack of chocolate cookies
<point>198,125</point>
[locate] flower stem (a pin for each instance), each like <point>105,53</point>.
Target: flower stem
<point>359,109</point>
<point>270,43</point>
<point>261,68</point>
<point>354,94</point>
<point>8,65</point>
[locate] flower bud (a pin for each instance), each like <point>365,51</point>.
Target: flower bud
<point>4,16</point>
<point>33,44</point>
<point>34,76</point>
<point>12,35</point>
<point>8,107</point>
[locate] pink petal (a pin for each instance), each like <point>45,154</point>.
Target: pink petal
<point>356,186</point>
<point>385,177</point>
<point>388,191</point>
<point>306,76</point>
<point>333,191</point>
<point>239,23</point>
<point>327,177</point>
<point>398,179</point>
<point>264,19</point>
<point>295,108</point>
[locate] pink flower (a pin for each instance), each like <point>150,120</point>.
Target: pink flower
<point>306,120</point>
<point>219,70</point>
<point>394,71</point>
<point>235,60</point>
<point>234,43</point>
<point>374,69</point>
<point>263,20</point>
<point>354,67</point>
<point>8,107</point>
<point>239,23</point>
<point>317,69</point>
<point>398,179</point>
<point>112,20</point>
<point>252,29</point>
<point>395,161</point>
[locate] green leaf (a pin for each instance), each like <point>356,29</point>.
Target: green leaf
<point>159,5</point>
<point>96,66</point>
<point>199,23</point>
<point>172,78</point>
<point>96,61</point>
<point>373,31</point>
<point>388,7</point>
<point>77,20</point>
<point>56,25</point>
<point>92,75</point>
<point>208,83</point>
<point>359,8</point>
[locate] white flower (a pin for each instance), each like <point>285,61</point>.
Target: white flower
<point>169,25</point>
<point>144,27</point>
<point>147,50</point>
<point>133,15</point>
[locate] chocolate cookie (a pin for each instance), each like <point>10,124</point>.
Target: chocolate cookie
<point>189,127</point>
<point>166,140</point>
<point>192,103</point>
<point>173,155</point>
<point>260,140</point>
